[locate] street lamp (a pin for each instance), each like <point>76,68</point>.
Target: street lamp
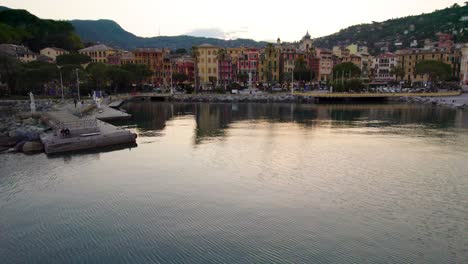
<point>78,84</point>
<point>61,82</point>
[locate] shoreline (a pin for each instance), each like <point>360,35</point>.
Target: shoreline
<point>20,131</point>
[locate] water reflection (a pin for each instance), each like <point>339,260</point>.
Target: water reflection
<point>213,120</point>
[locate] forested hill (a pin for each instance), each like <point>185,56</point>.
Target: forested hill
<point>111,33</point>
<point>21,27</point>
<point>453,20</point>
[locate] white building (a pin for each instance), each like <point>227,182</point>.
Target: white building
<point>306,43</point>
<point>52,52</point>
<point>22,53</point>
<point>383,65</point>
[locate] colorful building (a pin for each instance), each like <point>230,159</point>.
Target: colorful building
<point>207,65</point>
<point>52,52</point>
<point>306,43</point>
<point>22,53</point>
<point>185,65</point>
<point>326,64</point>
<point>408,59</point>
<point>270,65</point>
<point>248,63</point>
<point>127,58</point>
<point>98,53</point>
<point>383,65</point>
<point>154,58</point>
<point>227,69</point>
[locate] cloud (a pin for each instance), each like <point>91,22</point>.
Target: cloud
<point>218,33</point>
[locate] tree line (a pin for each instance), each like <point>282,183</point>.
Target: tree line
<point>43,78</point>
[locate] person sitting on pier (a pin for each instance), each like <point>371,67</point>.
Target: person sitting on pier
<point>65,132</point>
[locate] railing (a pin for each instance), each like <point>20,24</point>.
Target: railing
<point>344,95</point>
<point>85,124</point>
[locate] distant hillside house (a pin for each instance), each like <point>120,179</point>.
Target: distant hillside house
<point>52,52</point>
<point>98,53</point>
<point>22,53</point>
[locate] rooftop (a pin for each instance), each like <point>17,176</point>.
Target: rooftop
<point>100,47</point>
<point>56,49</point>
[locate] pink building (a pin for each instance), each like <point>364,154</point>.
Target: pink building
<point>445,41</point>
<point>185,65</point>
<point>249,62</point>
<point>226,70</point>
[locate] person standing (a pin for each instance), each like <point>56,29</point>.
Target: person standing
<point>75,102</point>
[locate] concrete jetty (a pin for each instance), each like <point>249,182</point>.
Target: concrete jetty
<point>107,113</point>
<point>84,133</point>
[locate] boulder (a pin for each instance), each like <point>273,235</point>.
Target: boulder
<point>30,121</point>
<point>6,141</point>
<point>31,147</point>
<point>27,132</point>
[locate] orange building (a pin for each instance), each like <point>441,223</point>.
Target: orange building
<point>156,60</point>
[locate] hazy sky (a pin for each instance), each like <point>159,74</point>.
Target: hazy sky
<point>259,20</point>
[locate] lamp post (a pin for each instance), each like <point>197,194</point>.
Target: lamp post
<point>61,81</point>
<point>78,84</point>
<point>171,77</point>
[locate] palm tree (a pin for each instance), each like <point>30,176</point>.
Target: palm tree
<point>270,53</point>
<point>195,56</point>
<point>398,71</point>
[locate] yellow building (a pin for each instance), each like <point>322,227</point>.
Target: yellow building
<point>353,49</point>
<point>207,64</point>
<point>98,53</point>
<point>410,57</point>
<point>52,52</point>
<point>270,65</point>
<point>235,53</point>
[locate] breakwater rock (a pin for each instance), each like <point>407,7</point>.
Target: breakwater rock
<point>460,102</point>
<point>241,98</point>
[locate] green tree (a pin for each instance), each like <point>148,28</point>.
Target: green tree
<point>181,51</point>
<point>301,70</point>
<point>97,75</point>
<point>37,33</point>
<point>9,69</point>
<point>119,78</point>
<point>243,77</point>
<point>33,76</point>
<point>69,74</point>
<point>138,72</point>
<point>347,69</point>
<point>179,78</point>
<point>436,70</point>
<point>270,55</point>
<point>73,58</point>
<point>398,71</point>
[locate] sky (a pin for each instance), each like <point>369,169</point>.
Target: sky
<point>254,19</point>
